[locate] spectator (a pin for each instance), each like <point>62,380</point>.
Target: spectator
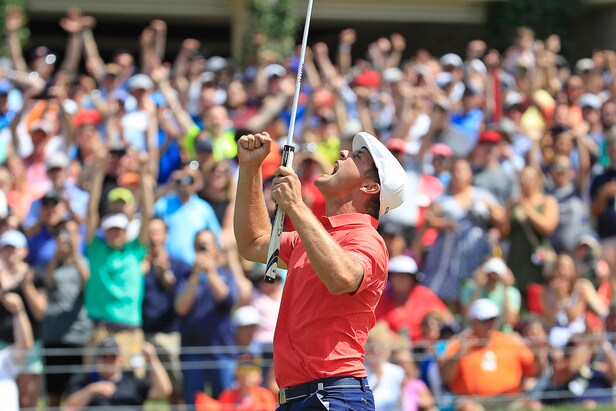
<point>533,218</point>
<point>13,356</point>
<point>57,165</point>
<point>459,216</point>
<point>114,291</point>
<point>603,194</point>
<point>565,300</point>
<point>494,280</point>
<point>415,393</point>
<point>180,206</point>
<point>486,363</point>
<point>66,327</point>
<point>208,323</point>
<point>266,299</point>
<point>41,241</point>
<point>488,173</point>
<point>16,276</point>
<point>573,213</point>
<point>577,379</point>
<point>405,302</point>
<point>385,378</point>
<point>108,385</point>
<point>161,325</point>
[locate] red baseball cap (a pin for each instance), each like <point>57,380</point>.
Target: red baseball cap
<point>369,78</point>
<point>489,136</point>
<point>396,144</point>
<point>441,149</point>
<point>85,116</point>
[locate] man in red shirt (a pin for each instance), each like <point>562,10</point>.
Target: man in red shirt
<point>337,268</point>
<point>405,302</point>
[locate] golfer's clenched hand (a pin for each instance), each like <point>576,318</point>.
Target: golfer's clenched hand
<point>253,148</point>
<point>286,188</point>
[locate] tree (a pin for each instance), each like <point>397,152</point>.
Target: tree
<point>272,24</point>
<point>545,17</point>
<point>24,33</point>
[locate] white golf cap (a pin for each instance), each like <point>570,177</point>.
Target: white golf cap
<point>118,220</point>
<point>391,173</point>
<point>495,265</point>
<point>451,59</point>
<point>246,315</point>
<point>13,238</point>
<point>403,264</point>
<point>140,82</point>
<point>483,309</point>
<point>590,100</point>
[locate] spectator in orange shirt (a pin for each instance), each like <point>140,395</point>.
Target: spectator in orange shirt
<point>246,395</point>
<point>405,301</point>
<point>486,363</point>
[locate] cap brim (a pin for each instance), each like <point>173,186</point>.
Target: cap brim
<point>387,166</point>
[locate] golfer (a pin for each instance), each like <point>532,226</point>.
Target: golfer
<point>337,267</point>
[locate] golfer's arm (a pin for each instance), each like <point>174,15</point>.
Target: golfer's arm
<point>251,222</point>
<point>335,267</point>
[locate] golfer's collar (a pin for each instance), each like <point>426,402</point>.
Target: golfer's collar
<point>340,220</point>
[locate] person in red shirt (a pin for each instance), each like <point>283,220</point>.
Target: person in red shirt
<point>336,267</point>
<point>405,302</point>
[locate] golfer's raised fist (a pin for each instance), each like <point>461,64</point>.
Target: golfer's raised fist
<point>253,148</point>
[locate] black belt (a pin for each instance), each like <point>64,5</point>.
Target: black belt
<point>304,390</point>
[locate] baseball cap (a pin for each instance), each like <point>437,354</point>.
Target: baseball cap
<point>246,315</point>
<point>583,65</point>
<point>513,98</point>
<point>404,264</point>
<point>369,78</point>
<point>495,265</point>
<point>112,69</point>
<point>391,173</point>
<point>13,238</point>
<point>483,309</point>
<point>489,136</point>
<point>87,116</point>
<point>51,196</point>
<point>275,70</point>
<point>451,59</point>
<point>217,63</point>
<point>121,194</point>
<point>204,145</point>
<point>118,220</point>
<point>396,144</point>
<point>57,160</point>
<point>440,149</point>
<point>108,347</point>
<point>140,82</point>
<point>590,100</point>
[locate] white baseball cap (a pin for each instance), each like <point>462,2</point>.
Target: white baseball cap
<point>118,220</point>
<point>391,173</point>
<point>495,265</point>
<point>13,238</point>
<point>590,100</point>
<point>451,59</point>
<point>246,315</point>
<point>403,264</point>
<point>483,309</point>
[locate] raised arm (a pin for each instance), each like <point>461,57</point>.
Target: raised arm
<point>160,38</point>
<point>96,192</point>
<point>147,197</point>
<point>161,384</point>
<point>94,63</point>
<point>345,46</point>
<point>13,23</point>
<point>73,25</point>
<point>251,221</point>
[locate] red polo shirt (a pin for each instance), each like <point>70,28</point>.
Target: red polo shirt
<point>320,335</point>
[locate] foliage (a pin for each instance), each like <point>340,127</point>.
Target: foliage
<point>545,17</point>
<point>275,22</point>
<point>24,33</point>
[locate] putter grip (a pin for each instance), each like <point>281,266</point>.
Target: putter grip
<point>271,269</point>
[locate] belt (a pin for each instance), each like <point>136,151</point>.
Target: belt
<point>301,391</point>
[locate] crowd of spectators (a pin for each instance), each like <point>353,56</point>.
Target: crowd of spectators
<point>117,255</point>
